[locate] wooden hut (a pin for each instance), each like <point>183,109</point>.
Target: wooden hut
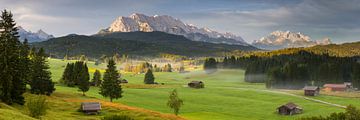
<point>289,109</point>
<point>196,84</point>
<point>90,107</point>
<point>311,90</point>
<point>335,87</point>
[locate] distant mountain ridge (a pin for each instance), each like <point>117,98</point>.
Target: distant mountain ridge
<point>286,39</point>
<point>38,36</point>
<point>150,44</point>
<point>168,24</point>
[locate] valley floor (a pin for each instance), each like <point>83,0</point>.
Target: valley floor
<point>225,97</point>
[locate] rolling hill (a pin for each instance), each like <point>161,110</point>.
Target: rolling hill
<point>135,44</point>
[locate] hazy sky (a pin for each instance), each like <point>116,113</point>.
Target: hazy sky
<point>251,19</point>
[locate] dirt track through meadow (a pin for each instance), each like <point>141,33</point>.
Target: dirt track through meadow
<point>290,94</point>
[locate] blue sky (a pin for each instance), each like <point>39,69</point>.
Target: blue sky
<point>251,19</point>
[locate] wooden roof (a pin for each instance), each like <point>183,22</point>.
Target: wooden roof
<point>196,82</point>
<point>335,85</point>
<point>90,106</point>
<point>311,88</point>
<point>290,105</point>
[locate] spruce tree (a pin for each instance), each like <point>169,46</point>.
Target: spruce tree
<point>96,81</point>
<point>11,79</point>
<point>69,75</point>
<point>41,82</point>
<point>84,84</point>
<point>210,65</point>
<point>26,62</point>
<point>76,71</point>
<point>110,86</point>
<point>23,74</point>
<point>149,77</point>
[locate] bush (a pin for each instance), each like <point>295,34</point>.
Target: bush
<point>117,117</point>
<point>36,106</point>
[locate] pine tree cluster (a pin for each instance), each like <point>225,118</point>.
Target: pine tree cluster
<point>75,73</point>
<point>19,65</point>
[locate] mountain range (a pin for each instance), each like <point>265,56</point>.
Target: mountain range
<point>150,44</point>
<point>168,24</point>
<point>38,36</point>
<point>286,39</point>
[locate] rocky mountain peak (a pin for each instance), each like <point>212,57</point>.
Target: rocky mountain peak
<point>287,39</point>
<point>38,36</point>
<point>168,24</point>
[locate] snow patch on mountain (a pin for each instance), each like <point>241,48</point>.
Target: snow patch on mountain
<point>168,24</point>
<point>287,39</point>
<point>38,36</point>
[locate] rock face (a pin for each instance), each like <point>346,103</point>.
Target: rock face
<point>287,39</point>
<point>168,24</point>
<point>33,36</point>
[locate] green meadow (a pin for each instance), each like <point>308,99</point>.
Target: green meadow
<point>226,96</point>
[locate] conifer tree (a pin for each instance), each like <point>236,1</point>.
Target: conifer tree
<point>41,82</point>
<point>96,81</point>
<point>84,84</point>
<point>149,77</point>
<point>25,62</point>
<point>23,74</point>
<point>76,73</point>
<point>110,86</point>
<point>11,79</point>
<point>210,65</point>
<point>70,75</point>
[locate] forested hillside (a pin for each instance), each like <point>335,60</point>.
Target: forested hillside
<point>341,50</point>
<point>296,67</point>
<point>133,43</point>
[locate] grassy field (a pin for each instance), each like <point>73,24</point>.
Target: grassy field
<point>226,96</point>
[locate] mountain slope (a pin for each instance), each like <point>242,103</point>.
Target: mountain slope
<point>168,24</point>
<point>33,37</point>
<point>282,39</point>
<point>133,43</point>
<point>340,50</point>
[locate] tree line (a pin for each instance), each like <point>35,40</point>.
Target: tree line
<point>20,65</point>
<point>143,67</point>
<point>296,69</point>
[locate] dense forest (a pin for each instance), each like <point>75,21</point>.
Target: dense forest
<point>134,44</point>
<point>340,50</point>
<point>295,69</point>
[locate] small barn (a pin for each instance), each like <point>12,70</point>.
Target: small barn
<point>311,90</point>
<point>196,84</point>
<point>336,87</point>
<point>289,109</point>
<point>90,107</point>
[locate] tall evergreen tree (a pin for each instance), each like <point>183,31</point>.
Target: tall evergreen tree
<point>11,80</point>
<point>110,87</point>
<point>23,74</point>
<point>65,75</point>
<point>356,75</point>
<point>41,82</point>
<point>149,77</point>
<point>96,80</point>
<point>25,62</point>
<point>84,84</point>
<point>210,65</point>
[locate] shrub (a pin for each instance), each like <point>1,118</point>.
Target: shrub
<point>36,106</point>
<point>117,117</point>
